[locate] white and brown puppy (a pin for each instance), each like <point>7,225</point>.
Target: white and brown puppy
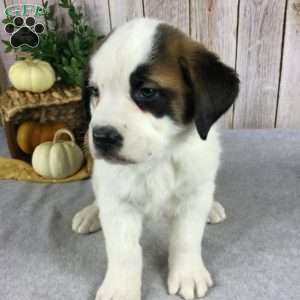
<point>151,92</point>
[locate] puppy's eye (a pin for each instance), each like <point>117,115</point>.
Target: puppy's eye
<point>94,91</point>
<point>146,94</point>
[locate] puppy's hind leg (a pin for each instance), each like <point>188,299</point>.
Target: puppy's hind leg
<point>87,220</point>
<point>217,213</point>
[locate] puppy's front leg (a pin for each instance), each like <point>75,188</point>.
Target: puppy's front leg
<point>188,275</point>
<point>122,227</point>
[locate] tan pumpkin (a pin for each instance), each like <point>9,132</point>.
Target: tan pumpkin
<point>59,158</point>
<point>33,75</point>
<point>32,133</point>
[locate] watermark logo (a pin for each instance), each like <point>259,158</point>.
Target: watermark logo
<point>24,28</point>
<point>25,10</point>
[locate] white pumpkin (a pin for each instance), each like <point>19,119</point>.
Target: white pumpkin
<point>59,158</point>
<point>33,75</point>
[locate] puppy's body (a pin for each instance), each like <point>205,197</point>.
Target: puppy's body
<point>151,92</point>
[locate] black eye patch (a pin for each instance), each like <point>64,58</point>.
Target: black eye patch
<point>154,100</point>
<point>148,95</point>
<point>139,76</point>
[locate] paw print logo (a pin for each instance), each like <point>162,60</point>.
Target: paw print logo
<point>24,32</point>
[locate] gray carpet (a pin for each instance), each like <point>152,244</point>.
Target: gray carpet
<point>255,254</point>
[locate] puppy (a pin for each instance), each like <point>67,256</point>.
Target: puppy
<point>153,96</point>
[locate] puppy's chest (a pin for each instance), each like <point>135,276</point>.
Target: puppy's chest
<point>154,190</point>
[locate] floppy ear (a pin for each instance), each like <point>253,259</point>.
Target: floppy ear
<point>214,87</point>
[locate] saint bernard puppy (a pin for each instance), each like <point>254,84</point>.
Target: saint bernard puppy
<point>152,97</point>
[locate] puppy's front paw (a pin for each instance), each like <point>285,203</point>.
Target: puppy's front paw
<point>119,286</point>
<point>86,220</point>
<point>217,213</point>
<point>189,279</point>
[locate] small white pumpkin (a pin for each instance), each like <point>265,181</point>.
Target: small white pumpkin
<point>59,158</point>
<point>33,75</point>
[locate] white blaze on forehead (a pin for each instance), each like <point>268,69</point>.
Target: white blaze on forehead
<point>126,48</point>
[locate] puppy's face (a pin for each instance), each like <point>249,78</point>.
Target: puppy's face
<point>148,84</point>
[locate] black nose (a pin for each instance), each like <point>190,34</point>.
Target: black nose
<point>107,139</point>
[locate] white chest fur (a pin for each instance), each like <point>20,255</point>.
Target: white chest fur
<point>156,188</point>
<point>148,188</point>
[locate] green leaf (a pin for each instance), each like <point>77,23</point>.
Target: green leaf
<point>7,49</point>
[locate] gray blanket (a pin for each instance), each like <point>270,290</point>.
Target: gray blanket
<point>254,254</point>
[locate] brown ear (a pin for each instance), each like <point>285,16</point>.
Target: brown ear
<point>214,87</point>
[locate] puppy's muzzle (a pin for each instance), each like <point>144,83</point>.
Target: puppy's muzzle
<point>107,139</point>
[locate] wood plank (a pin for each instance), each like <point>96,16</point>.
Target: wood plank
<point>175,12</point>
<point>258,62</point>
<point>124,10</point>
<point>62,13</point>
<point>7,58</point>
<point>97,13</point>
<point>214,23</point>
<point>289,98</point>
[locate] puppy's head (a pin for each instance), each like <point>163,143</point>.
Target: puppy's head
<point>147,85</point>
